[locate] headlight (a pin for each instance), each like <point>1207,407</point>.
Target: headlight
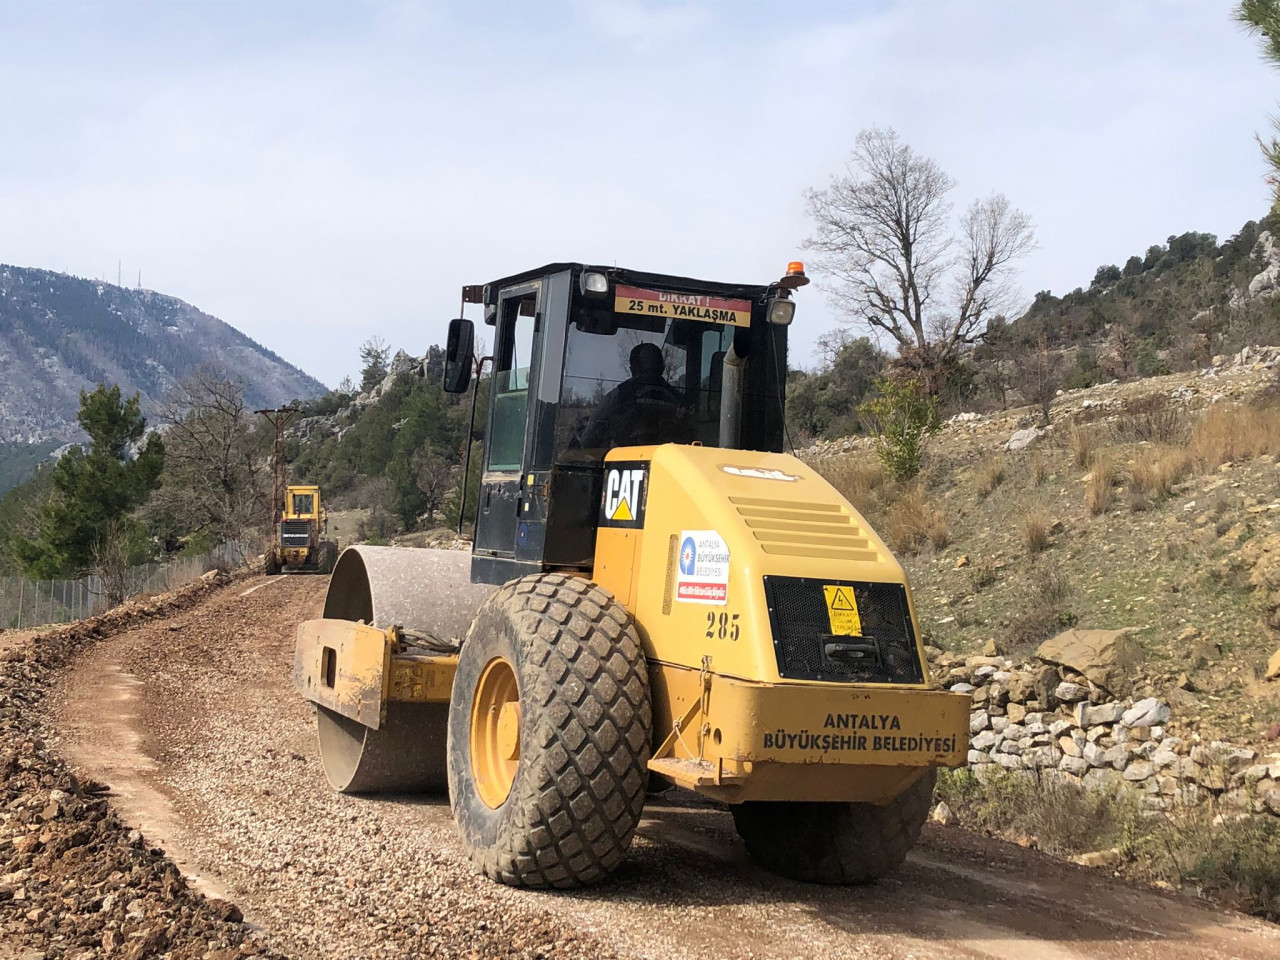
<point>595,283</point>
<point>782,312</point>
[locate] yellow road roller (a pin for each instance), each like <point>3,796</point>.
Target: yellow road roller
<point>654,590</point>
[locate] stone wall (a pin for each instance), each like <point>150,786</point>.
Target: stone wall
<point>1047,718</point>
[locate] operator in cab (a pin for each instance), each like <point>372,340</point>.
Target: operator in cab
<point>642,410</point>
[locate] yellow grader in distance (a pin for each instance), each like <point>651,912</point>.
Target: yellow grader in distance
<point>654,588</point>
<point>297,547</point>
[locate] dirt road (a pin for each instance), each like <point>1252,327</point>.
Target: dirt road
<point>194,724</point>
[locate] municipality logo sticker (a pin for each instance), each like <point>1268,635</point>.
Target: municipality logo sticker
<point>688,556</point>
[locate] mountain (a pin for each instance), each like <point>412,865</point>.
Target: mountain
<point>60,334</point>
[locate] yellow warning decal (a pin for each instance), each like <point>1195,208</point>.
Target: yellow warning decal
<point>842,610</point>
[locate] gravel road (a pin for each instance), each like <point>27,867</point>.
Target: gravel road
<point>194,724</point>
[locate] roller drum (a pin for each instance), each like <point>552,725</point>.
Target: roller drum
<point>424,590</point>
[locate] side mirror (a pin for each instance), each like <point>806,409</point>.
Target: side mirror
<point>458,355</point>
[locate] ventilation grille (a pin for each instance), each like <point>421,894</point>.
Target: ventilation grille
<point>796,529</point>
<point>802,629</point>
<point>295,533</point>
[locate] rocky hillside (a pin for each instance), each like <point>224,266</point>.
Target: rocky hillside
<point>1150,506</point>
<point>60,334</point>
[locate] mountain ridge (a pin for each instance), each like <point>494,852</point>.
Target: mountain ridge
<point>60,334</point>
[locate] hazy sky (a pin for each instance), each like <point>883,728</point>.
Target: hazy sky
<point>315,173</point>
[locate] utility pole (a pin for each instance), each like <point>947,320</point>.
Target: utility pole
<point>279,419</point>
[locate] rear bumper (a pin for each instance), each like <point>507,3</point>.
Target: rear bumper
<point>741,740</point>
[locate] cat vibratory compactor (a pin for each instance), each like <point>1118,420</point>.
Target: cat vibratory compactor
<point>654,590</point>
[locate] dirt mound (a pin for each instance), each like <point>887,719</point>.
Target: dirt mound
<point>74,878</point>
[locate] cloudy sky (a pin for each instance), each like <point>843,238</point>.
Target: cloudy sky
<point>315,173</point>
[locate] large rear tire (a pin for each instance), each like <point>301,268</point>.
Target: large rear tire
<point>549,734</point>
<point>835,843</point>
<point>270,563</point>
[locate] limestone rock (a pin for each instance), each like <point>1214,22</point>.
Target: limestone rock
<point>985,740</point>
<point>1146,713</point>
<point>1103,713</point>
<point>1094,755</point>
<point>1106,657</point>
<point>1273,667</point>
<point>1022,439</point>
<point>1068,692</point>
<point>1138,770</point>
<point>1076,766</point>
<point>1268,795</point>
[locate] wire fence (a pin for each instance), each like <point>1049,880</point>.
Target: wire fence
<point>31,603</point>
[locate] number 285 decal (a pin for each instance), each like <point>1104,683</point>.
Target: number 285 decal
<point>722,625</point>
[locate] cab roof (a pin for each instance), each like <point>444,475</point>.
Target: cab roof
<point>750,291</point>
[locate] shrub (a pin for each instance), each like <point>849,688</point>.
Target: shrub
<point>1155,473</point>
<point>982,574</point>
<point>857,479</point>
<point>990,476</point>
<point>1063,819</point>
<point>1043,611</point>
<point>913,521</point>
<point>1080,441</point>
<point>1035,530</point>
<point>1234,860</point>
<point>1150,419</point>
<point>1099,489</point>
<point>902,416</point>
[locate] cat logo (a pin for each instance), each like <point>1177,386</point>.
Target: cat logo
<point>624,495</point>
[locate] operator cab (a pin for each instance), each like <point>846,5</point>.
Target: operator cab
<point>590,358</point>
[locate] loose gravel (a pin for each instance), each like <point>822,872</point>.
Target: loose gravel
<point>232,749</point>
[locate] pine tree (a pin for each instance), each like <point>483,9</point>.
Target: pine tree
<point>1263,17</point>
<point>95,493</point>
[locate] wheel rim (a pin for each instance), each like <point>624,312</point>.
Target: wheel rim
<point>495,732</point>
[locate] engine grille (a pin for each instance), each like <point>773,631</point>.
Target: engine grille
<point>799,529</point>
<point>802,628</point>
<point>295,533</point>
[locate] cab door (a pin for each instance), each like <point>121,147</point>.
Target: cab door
<point>507,447</point>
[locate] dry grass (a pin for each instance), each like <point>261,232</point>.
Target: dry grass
<point>1099,489</point>
<point>912,521</point>
<point>1231,433</point>
<point>857,479</point>
<point>1035,530</point>
<point>1157,470</point>
<point>1235,861</point>
<point>1081,441</point>
<point>1038,468</point>
<point>990,475</point>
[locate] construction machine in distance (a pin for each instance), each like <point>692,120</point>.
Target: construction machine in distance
<point>655,589</point>
<point>297,546</point>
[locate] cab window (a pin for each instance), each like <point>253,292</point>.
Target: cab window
<point>303,503</point>
<point>512,368</point>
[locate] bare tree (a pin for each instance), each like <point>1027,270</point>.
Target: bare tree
<point>111,564</point>
<point>1039,377</point>
<point>883,236</point>
<point>1122,342</point>
<point>215,475</point>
